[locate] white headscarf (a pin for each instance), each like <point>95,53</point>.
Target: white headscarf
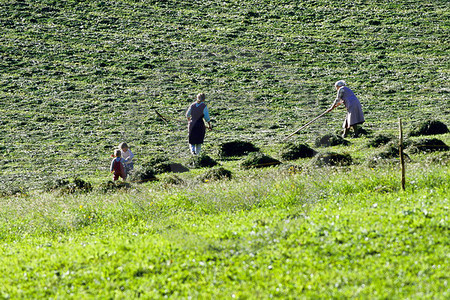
<point>340,83</point>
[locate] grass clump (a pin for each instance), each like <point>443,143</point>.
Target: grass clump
<point>69,185</point>
<point>237,148</point>
<point>390,150</point>
<point>143,173</point>
<point>215,174</point>
<point>329,140</point>
<point>259,160</point>
<point>379,140</point>
<point>170,167</point>
<point>429,127</point>
<point>428,145</point>
<point>201,161</point>
<point>332,159</point>
<point>113,186</point>
<point>389,154</point>
<point>294,151</point>
<point>172,179</point>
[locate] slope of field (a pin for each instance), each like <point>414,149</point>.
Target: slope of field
<point>78,77</point>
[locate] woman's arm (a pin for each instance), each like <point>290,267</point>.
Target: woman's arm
<point>338,101</point>
<point>188,113</point>
<point>206,117</point>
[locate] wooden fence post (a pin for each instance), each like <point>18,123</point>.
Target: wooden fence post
<point>402,159</point>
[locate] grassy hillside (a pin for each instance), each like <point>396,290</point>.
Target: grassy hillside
<point>78,77</point>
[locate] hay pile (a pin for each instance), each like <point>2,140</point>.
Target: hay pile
<point>113,186</point>
<point>170,167</point>
<point>236,148</point>
<point>295,151</point>
<point>428,145</point>
<point>379,140</point>
<point>143,173</point>
<point>201,161</point>
<point>259,160</point>
<point>69,186</point>
<point>329,140</point>
<point>332,159</point>
<point>172,180</point>
<point>429,127</point>
<point>215,174</point>
<point>390,150</point>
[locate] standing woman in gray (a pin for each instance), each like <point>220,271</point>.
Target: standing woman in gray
<point>195,115</point>
<point>355,114</point>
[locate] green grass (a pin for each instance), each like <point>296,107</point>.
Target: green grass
<point>318,233</point>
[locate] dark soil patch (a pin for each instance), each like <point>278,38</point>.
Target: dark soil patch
<point>379,140</point>
<point>429,127</point>
<point>215,174</point>
<point>428,145</point>
<point>332,159</point>
<point>259,160</point>
<point>237,148</point>
<point>201,161</point>
<point>330,139</point>
<point>295,151</point>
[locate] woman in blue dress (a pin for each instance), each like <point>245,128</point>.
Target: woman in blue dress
<point>197,111</point>
<point>355,114</point>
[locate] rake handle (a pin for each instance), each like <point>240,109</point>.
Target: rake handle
<point>319,116</point>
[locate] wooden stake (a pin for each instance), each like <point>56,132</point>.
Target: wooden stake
<point>402,159</point>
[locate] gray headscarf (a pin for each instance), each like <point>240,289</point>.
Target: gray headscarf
<point>340,83</point>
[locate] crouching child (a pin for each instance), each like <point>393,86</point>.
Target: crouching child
<point>117,166</point>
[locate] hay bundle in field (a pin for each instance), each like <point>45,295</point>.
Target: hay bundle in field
<point>170,167</point>
<point>429,127</point>
<point>390,150</point>
<point>428,145</point>
<point>293,151</point>
<point>113,186</point>
<point>332,159</point>
<point>215,174</point>
<point>143,173</point>
<point>201,161</point>
<point>162,164</point>
<point>172,180</point>
<point>69,186</point>
<point>237,148</point>
<point>379,140</point>
<point>329,140</point>
<point>259,160</point>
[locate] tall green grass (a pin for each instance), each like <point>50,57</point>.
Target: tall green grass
<point>329,232</point>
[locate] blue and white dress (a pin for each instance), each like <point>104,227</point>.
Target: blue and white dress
<point>354,110</point>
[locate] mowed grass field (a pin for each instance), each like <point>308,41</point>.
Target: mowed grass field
<point>79,77</point>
